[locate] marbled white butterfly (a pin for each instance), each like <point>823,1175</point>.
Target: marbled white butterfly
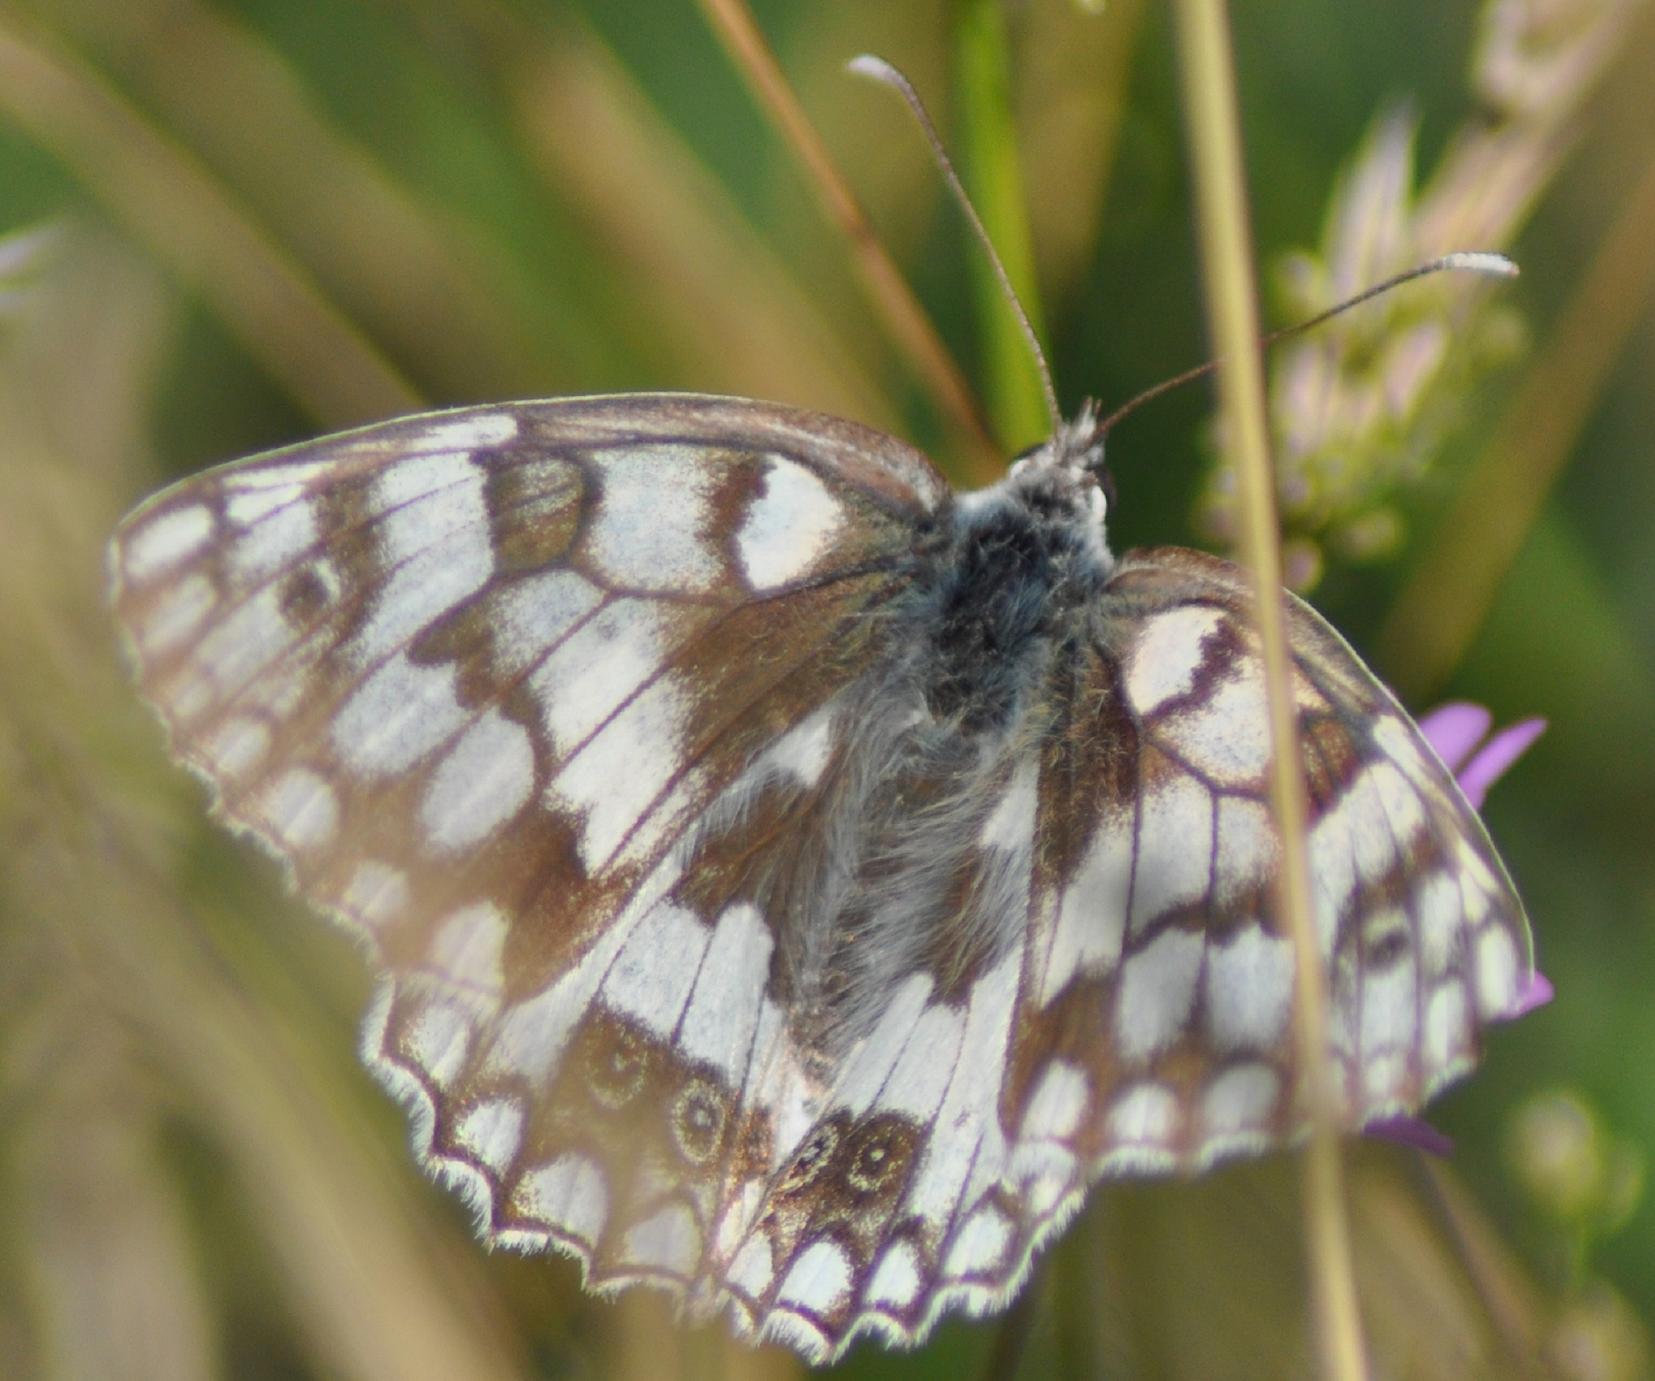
<point>796,882</point>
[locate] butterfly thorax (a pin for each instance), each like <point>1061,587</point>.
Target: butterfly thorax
<point>1009,583</point>
<point>1020,560</point>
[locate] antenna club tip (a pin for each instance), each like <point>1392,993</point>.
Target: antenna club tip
<point>872,65</point>
<point>1482,261</point>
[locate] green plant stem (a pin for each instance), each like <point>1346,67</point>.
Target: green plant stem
<point>903,316</point>
<point>1016,401</point>
<point>1211,111</point>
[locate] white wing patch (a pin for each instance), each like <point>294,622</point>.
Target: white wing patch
<point>1166,655</point>
<point>433,539</point>
<point>612,781</point>
<point>469,948</point>
<point>280,528</point>
<point>1240,1102</point>
<point>1247,854</point>
<point>178,613</point>
<point>722,1018</point>
<point>803,751</point>
<point>1011,823</point>
<point>638,542</point>
<point>897,1280</point>
<point>1157,993</point>
<point>1144,1116</point>
<point>475,431</point>
<point>655,973</point>
<point>480,785</point>
<point>819,1279</point>
<point>598,668</point>
<point>1173,860</point>
<point>1091,920</point>
<point>1249,990</point>
<point>1227,737</point>
<point>536,613</point>
<point>300,809</point>
<point>1496,972</point>
<point>236,747</point>
<point>790,528</point>
<point>1057,1104</point>
<point>169,541</point>
<point>875,1070</point>
<point>400,714</point>
<point>918,1082</point>
<point>376,893</point>
<point>571,1191</point>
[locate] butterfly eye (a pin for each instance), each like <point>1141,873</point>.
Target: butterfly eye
<point>1105,478</point>
<point>1098,503</point>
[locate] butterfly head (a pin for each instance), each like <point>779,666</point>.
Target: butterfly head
<point>1066,481</point>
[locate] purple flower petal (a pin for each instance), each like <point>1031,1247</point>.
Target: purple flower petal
<point>1495,756</point>
<point>1538,993</point>
<point>1455,729</point>
<point>1411,1131</point>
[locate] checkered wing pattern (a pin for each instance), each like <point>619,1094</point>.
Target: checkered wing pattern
<point>794,883</point>
<point>470,677</point>
<point>1134,1016</point>
<point>1157,989</point>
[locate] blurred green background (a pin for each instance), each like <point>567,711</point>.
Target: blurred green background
<point>233,225</point>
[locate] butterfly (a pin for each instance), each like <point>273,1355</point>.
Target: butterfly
<point>794,882</point>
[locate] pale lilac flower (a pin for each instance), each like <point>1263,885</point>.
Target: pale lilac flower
<point>1490,761</point>
<point>1455,730</point>
<point>1362,409</point>
<point>1537,994</point>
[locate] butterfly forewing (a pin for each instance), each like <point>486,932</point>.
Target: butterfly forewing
<point>434,644</point>
<point>794,884</point>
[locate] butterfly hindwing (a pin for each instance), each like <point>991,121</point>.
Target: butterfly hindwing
<point>1422,934</point>
<point>1160,974</point>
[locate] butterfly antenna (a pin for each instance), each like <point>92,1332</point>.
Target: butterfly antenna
<point>1467,261</point>
<point>867,65</point>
